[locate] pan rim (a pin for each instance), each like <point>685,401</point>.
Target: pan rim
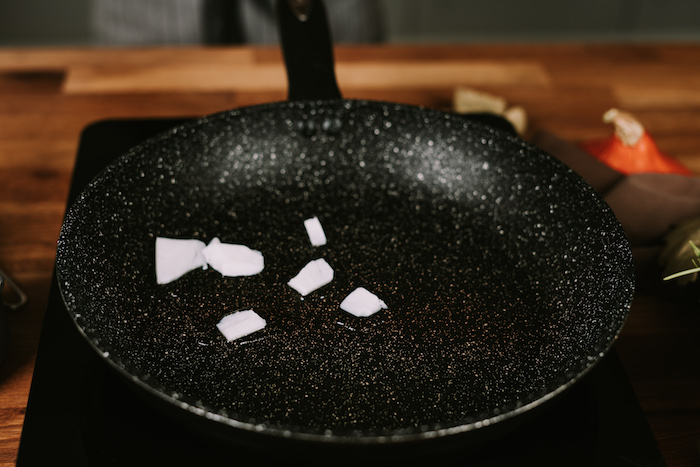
<point>323,437</point>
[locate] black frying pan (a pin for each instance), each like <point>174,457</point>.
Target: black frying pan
<point>506,277</point>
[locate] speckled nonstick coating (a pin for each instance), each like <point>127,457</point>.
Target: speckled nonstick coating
<point>506,277</point>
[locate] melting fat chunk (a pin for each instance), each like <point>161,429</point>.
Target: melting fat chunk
<point>176,257</point>
<point>317,236</point>
<point>240,323</point>
<point>361,303</point>
<point>233,260</point>
<point>314,275</point>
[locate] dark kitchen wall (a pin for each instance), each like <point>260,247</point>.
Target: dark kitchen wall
<point>68,22</point>
<point>543,20</point>
<point>44,22</point>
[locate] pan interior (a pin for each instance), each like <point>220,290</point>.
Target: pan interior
<point>505,276</point>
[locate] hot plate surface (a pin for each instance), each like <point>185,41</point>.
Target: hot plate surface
<point>80,414</point>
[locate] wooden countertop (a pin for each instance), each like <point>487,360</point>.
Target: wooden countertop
<point>47,96</point>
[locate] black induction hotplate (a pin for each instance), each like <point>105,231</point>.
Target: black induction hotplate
<point>81,414</point>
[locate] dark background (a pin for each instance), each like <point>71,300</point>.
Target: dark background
<point>70,22</point>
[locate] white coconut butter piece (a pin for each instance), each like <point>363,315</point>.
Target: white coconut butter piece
<point>233,260</point>
<point>314,230</point>
<point>361,303</point>
<point>240,323</point>
<point>314,275</point>
<point>176,257</point>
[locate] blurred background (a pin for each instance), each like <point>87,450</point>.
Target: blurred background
<point>161,22</point>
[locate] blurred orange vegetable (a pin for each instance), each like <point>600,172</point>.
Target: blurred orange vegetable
<point>630,149</point>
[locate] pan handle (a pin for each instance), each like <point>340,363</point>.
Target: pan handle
<point>307,48</point>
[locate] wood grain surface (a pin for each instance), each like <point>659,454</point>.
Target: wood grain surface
<point>47,96</point>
